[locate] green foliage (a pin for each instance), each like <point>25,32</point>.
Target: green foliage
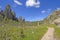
<point>12,30</point>
<point>9,14</point>
<point>57,33</point>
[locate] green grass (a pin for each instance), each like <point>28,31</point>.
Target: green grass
<point>38,33</point>
<point>30,33</point>
<point>13,31</point>
<point>57,30</point>
<point>57,33</point>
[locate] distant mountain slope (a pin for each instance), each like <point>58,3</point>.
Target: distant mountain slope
<point>53,16</point>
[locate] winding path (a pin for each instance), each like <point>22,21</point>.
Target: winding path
<point>49,34</point>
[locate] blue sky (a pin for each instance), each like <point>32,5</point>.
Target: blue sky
<point>31,10</point>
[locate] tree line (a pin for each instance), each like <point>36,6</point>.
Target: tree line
<point>7,13</point>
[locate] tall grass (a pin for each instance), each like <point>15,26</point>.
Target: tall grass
<point>12,31</point>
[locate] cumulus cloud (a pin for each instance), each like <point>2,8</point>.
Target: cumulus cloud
<point>33,3</point>
<point>58,9</point>
<point>17,2</point>
<point>46,11</point>
<point>43,11</point>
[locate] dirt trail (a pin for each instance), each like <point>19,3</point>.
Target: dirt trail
<point>49,34</point>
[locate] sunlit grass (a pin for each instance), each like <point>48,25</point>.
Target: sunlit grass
<point>57,33</point>
<point>30,33</point>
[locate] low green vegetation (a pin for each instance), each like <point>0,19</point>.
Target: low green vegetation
<point>9,32</point>
<point>13,28</point>
<point>57,33</point>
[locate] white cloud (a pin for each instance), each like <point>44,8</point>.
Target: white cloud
<point>17,2</point>
<point>43,11</point>
<point>33,3</point>
<point>58,9</point>
<point>46,11</point>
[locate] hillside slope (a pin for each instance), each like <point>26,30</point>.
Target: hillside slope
<point>52,17</point>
